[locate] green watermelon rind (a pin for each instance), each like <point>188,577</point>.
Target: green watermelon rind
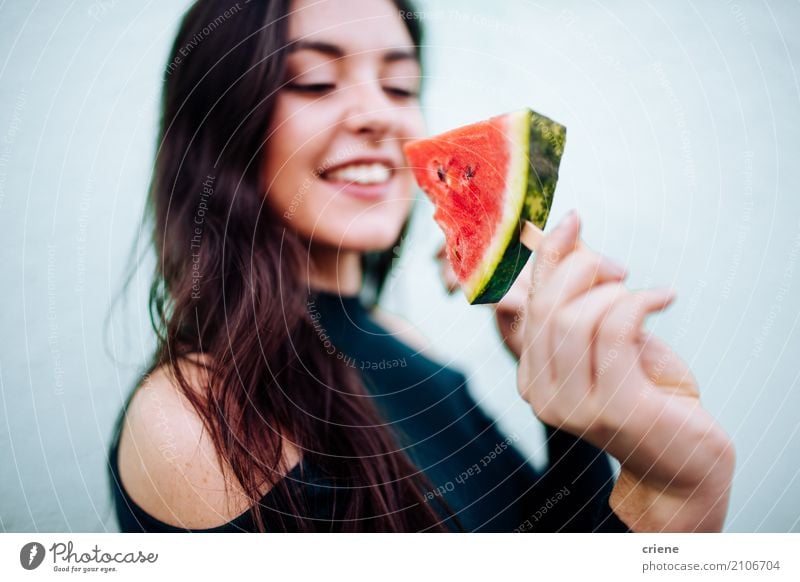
<point>537,163</point>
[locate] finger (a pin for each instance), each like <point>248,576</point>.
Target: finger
<point>446,270</point>
<point>554,248</point>
<point>573,333</point>
<point>576,274</point>
<point>522,287</point>
<point>663,366</point>
<point>617,337</point>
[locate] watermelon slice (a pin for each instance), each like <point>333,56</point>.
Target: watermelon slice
<point>486,179</point>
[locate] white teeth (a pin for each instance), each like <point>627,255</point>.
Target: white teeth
<point>361,173</point>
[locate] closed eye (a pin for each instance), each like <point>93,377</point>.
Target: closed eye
<point>400,92</point>
<point>311,87</point>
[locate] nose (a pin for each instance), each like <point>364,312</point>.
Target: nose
<point>370,113</point>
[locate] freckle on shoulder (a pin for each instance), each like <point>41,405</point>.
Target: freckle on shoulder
<point>168,463</point>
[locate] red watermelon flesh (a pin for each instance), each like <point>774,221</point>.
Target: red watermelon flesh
<point>483,179</point>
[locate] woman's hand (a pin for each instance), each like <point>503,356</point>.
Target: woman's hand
<point>587,367</point>
<point>446,270</point>
<point>509,312</point>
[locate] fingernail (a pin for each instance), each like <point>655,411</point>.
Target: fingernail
<point>567,222</point>
<point>667,292</point>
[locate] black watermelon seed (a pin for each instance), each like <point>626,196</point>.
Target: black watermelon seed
<point>440,173</point>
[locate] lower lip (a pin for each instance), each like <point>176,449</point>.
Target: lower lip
<point>362,191</point>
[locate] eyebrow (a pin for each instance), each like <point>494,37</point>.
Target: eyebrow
<point>330,49</point>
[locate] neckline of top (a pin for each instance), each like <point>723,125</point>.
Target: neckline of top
<point>347,300</point>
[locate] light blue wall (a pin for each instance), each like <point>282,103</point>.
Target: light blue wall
<point>682,157</point>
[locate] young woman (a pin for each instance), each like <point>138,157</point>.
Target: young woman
<point>280,397</point>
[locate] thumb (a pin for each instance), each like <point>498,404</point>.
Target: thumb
<point>446,271</point>
<point>663,366</point>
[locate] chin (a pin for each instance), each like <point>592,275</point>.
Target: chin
<point>369,239</point>
<point>372,230</point>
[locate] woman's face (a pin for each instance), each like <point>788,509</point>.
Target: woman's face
<point>335,170</point>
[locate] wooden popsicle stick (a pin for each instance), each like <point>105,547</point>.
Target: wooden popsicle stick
<point>532,236</point>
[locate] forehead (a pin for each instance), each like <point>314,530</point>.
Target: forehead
<point>354,25</point>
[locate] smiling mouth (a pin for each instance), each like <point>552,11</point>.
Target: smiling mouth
<point>364,174</point>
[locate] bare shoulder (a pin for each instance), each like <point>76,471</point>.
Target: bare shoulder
<point>401,328</point>
<point>167,461</point>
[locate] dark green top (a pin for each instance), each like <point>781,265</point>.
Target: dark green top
<point>473,466</point>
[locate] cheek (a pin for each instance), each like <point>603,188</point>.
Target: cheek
<point>288,171</point>
<point>303,202</point>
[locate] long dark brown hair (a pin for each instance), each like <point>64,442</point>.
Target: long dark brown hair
<point>228,284</point>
